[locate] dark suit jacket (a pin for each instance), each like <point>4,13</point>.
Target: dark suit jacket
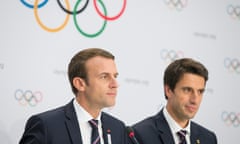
<point>155,130</point>
<point>60,126</point>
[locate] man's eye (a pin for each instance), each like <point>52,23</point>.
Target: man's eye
<point>116,76</point>
<point>201,91</point>
<point>187,90</point>
<point>103,77</point>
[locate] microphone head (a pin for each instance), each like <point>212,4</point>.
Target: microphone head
<point>131,135</point>
<point>130,131</point>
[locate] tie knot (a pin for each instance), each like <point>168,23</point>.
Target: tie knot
<point>93,123</point>
<point>182,133</point>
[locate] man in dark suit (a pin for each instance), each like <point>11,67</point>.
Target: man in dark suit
<point>184,84</point>
<point>92,74</point>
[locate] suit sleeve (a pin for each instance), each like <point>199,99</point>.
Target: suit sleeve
<point>35,132</point>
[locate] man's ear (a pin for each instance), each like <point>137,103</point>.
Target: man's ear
<point>79,83</point>
<point>167,91</point>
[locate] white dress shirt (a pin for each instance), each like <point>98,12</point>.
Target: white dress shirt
<point>175,127</point>
<point>83,117</point>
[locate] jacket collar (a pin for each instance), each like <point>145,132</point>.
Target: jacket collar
<point>163,128</point>
<point>165,133</point>
<point>74,128</point>
<point>72,123</point>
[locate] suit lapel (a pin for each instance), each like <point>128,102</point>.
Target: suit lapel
<point>195,139</point>
<point>106,130</point>
<point>163,128</point>
<point>105,137</point>
<point>72,124</point>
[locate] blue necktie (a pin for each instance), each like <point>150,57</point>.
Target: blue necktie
<point>181,134</point>
<point>95,138</point>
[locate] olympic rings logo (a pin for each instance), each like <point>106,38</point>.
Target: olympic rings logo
<point>233,11</point>
<point>171,55</point>
<point>28,97</point>
<point>37,5</point>
<point>232,64</point>
<point>231,118</point>
<point>177,4</point>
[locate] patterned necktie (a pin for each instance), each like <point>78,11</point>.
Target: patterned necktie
<point>181,134</point>
<point>95,138</point>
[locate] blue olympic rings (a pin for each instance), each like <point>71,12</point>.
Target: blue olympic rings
<point>171,55</point>
<point>231,118</point>
<point>32,6</point>
<point>28,97</point>
<point>232,64</point>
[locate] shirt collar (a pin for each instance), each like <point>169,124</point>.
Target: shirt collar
<point>82,115</point>
<point>174,126</point>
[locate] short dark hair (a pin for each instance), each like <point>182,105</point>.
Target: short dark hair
<point>77,68</point>
<point>178,68</point>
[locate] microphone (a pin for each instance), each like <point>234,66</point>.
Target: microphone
<point>131,135</point>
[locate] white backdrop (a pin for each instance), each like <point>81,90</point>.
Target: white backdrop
<point>144,38</point>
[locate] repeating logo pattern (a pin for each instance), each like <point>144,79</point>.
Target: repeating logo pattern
<point>231,118</point>
<point>232,64</point>
<point>75,11</point>
<point>233,11</point>
<point>176,4</point>
<point>171,55</point>
<point>28,97</point>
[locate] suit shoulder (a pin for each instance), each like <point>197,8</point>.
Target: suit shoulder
<point>145,123</point>
<point>111,119</point>
<point>51,112</point>
<point>56,112</point>
<point>49,115</point>
<point>201,128</point>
